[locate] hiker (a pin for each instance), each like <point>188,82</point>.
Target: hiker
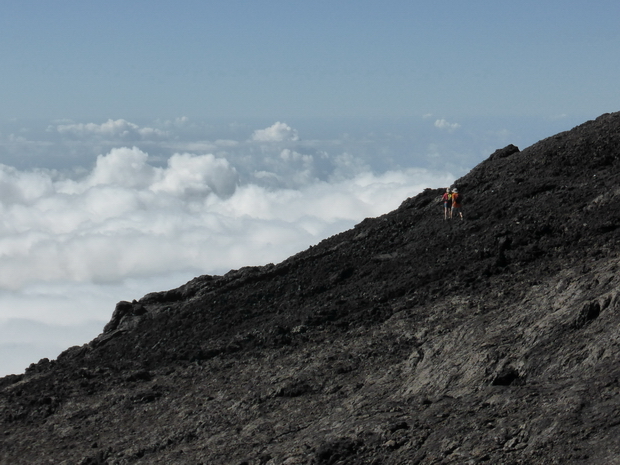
<point>447,204</point>
<point>457,199</point>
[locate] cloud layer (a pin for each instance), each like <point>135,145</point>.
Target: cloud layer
<point>128,218</point>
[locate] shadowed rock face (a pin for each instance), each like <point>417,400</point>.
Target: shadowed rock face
<point>406,340</point>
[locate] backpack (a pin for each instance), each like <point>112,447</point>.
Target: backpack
<point>457,198</point>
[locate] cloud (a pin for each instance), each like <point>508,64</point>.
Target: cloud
<point>129,168</point>
<point>277,133</point>
<point>127,218</point>
<point>117,129</point>
<point>106,226</point>
<point>122,167</point>
<point>187,174</point>
<point>443,124</point>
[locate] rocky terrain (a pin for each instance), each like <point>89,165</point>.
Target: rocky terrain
<point>405,340</point>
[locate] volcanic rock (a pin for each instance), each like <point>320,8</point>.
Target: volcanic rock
<point>408,339</point>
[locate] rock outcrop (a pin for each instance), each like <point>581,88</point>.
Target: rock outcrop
<point>405,340</point>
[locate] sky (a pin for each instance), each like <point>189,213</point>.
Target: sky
<point>145,143</point>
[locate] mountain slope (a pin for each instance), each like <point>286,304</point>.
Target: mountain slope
<point>408,339</point>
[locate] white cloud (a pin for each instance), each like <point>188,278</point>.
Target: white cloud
<point>277,133</point>
<point>106,226</point>
<point>22,187</point>
<point>122,167</point>
<point>196,175</point>
<point>443,124</point>
<point>129,219</point>
<point>120,129</point>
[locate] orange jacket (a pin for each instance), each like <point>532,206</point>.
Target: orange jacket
<point>456,199</point>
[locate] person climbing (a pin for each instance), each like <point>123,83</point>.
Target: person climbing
<point>457,200</point>
<point>447,204</point>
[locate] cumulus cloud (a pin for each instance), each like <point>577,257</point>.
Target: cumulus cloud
<point>187,174</point>
<point>443,124</point>
<point>127,218</point>
<point>128,168</point>
<point>100,227</point>
<point>277,133</point>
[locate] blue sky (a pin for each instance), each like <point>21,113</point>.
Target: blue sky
<point>145,143</point>
<point>295,59</point>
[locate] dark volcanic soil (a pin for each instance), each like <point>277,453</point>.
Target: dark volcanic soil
<point>406,340</point>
